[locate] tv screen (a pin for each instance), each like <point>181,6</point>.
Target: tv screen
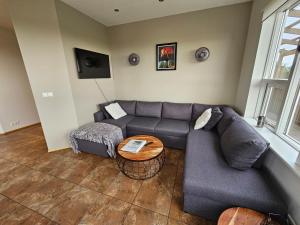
<point>91,64</point>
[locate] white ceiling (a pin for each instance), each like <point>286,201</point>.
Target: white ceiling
<point>130,10</point>
<point>5,20</point>
<point>137,10</point>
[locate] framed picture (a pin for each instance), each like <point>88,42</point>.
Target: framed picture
<point>166,56</point>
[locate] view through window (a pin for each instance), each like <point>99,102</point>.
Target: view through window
<point>281,104</point>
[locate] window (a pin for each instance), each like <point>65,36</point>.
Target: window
<point>280,89</point>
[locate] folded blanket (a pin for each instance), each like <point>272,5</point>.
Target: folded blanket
<point>101,133</point>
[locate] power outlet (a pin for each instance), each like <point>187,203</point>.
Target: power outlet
<point>15,123</point>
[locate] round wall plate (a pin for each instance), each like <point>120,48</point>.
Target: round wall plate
<point>202,54</point>
<point>134,59</point>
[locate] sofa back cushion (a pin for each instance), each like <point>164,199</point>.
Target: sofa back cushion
<point>148,109</point>
<point>177,111</point>
<point>127,106</point>
<point>229,115</point>
<point>241,145</point>
<point>198,109</point>
<point>216,116</point>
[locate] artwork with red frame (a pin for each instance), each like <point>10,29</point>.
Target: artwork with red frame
<point>166,56</point>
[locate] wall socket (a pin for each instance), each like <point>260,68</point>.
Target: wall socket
<point>14,123</point>
<point>47,94</point>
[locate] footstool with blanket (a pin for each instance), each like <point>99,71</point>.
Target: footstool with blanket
<point>96,138</point>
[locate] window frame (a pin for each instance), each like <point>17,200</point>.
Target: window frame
<point>291,86</point>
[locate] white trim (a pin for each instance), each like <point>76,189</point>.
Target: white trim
<point>277,5</point>
<point>298,160</point>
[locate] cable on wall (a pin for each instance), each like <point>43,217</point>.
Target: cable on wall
<point>101,90</point>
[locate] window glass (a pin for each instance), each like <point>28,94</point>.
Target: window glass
<point>274,107</point>
<point>294,128</point>
<point>286,52</point>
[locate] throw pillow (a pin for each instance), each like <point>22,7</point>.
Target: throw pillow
<point>115,110</point>
<point>216,116</point>
<point>102,108</point>
<point>241,145</point>
<point>203,119</point>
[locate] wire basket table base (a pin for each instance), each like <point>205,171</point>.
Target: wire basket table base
<point>141,170</point>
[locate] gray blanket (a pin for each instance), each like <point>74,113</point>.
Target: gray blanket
<point>102,133</point>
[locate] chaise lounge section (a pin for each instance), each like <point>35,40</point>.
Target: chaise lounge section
<point>210,185</point>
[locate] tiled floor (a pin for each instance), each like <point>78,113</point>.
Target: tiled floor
<point>37,187</point>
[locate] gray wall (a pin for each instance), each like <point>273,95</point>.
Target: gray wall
<point>79,30</point>
<point>223,30</point>
<point>289,182</point>
<point>16,100</point>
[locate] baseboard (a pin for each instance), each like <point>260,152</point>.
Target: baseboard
<point>21,128</point>
<point>59,149</point>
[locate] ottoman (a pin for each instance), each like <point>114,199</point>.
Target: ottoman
<point>92,147</point>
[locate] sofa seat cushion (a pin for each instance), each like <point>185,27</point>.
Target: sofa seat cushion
<point>206,174</point>
<point>169,127</point>
<point>143,124</point>
<point>122,122</point>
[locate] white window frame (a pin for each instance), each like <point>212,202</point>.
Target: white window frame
<point>290,85</point>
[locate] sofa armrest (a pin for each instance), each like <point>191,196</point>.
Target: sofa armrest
<point>99,116</point>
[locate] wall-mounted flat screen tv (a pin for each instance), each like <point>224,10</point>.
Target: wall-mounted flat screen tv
<point>91,65</point>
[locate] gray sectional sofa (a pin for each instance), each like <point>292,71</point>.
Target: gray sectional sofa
<point>210,184</point>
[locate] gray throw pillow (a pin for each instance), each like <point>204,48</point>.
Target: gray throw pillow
<point>241,145</point>
<point>216,116</point>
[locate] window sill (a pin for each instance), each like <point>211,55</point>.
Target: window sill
<point>286,152</point>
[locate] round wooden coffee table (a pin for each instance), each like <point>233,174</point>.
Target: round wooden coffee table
<point>244,216</point>
<point>144,164</point>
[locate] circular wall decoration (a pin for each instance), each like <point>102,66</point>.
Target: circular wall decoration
<point>134,59</point>
<point>202,54</point>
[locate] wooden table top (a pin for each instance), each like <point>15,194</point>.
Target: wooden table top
<point>241,216</point>
<point>146,153</point>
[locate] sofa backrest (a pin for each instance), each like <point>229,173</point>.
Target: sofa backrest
<point>177,111</point>
<point>148,109</point>
<point>198,109</point>
<point>229,115</point>
<point>128,106</point>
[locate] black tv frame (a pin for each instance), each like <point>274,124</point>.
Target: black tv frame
<point>92,65</point>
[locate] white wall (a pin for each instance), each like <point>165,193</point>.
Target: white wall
<point>250,54</point>
<point>16,100</point>
<point>288,181</point>
<point>39,38</point>
<point>79,30</point>
<point>223,30</point>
